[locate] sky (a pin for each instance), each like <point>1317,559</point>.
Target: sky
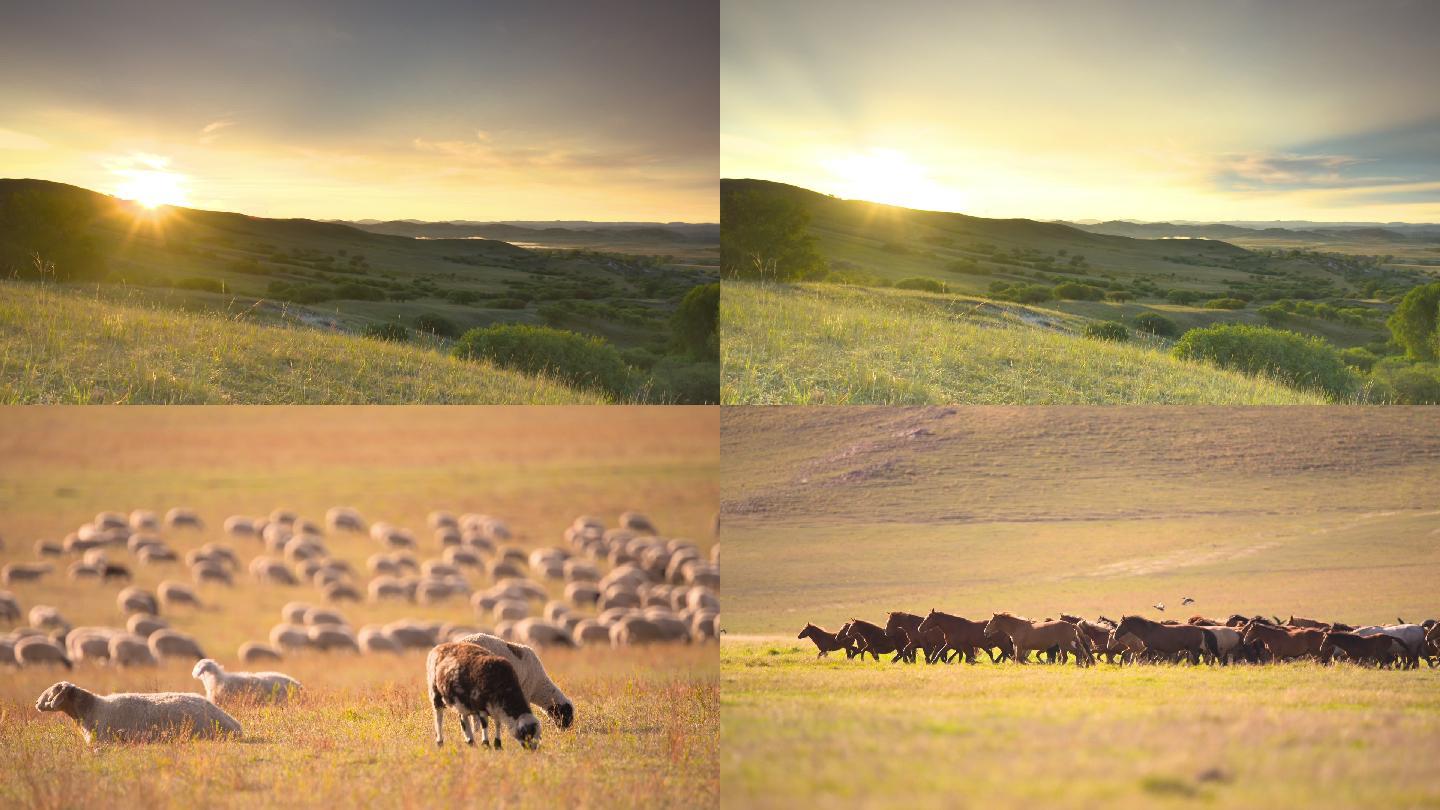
<point>345,110</point>
<point>1092,109</point>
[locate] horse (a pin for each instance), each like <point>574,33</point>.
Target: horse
<point>826,642</point>
<point>867,637</point>
<point>964,637</point>
<point>1100,635</point>
<point>1027,635</point>
<point>1285,643</point>
<point>1229,641</point>
<point>1410,635</point>
<point>904,632</point>
<point>1170,639</point>
<point>1380,648</point>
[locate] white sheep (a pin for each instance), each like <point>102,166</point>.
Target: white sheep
<point>24,572</point>
<point>131,650</point>
<point>477,684</point>
<point>174,644</point>
<point>36,650</point>
<point>138,716</point>
<point>539,689</point>
<point>180,517</point>
<point>225,687</point>
<point>252,652</point>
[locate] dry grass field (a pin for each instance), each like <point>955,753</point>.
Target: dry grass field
<point>360,734</point>
<point>833,513</point>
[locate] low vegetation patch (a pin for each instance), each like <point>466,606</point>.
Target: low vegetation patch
<point>1107,330</point>
<point>581,360</point>
<point>1298,360</point>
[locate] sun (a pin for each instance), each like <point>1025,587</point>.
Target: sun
<point>890,176</point>
<point>152,187</point>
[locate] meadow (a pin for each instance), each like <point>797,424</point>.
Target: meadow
<point>824,344</point>
<point>839,513</point>
<point>647,718</point>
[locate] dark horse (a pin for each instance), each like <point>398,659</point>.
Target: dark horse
<point>905,633</point>
<point>826,642</point>
<point>867,637</point>
<point>1170,639</point>
<point>964,637</point>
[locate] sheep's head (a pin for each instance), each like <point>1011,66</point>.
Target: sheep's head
<point>57,697</point>
<point>563,713</point>
<point>527,731</point>
<point>205,665</point>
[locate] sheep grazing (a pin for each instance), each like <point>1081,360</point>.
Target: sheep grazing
<point>228,687</point>
<point>173,594</point>
<point>252,652</point>
<point>133,600</point>
<point>131,650</point>
<point>590,632</point>
<point>90,643</point>
<point>539,689</point>
<point>374,639</point>
<point>24,572</point>
<point>539,633</point>
<point>289,637</point>
<point>181,518</point>
<point>48,548</point>
<point>138,717</point>
<point>32,651</point>
<point>271,571</point>
<point>330,637</point>
<point>143,520</point>
<point>44,617</point>
<point>173,644</point>
<point>145,625</point>
<point>477,685</point>
<point>345,519</point>
<point>9,607</point>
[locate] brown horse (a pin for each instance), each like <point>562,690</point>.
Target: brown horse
<point>1027,635</point>
<point>867,638</point>
<point>1170,640</point>
<point>826,642</point>
<point>964,637</point>
<point>1099,635</point>
<point>904,632</point>
<point>1283,643</point>
<point>1381,649</point>
<point>1316,624</point>
<point>1201,620</point>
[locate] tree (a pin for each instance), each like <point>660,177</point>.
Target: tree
<point>1414,323</point>
<point>695,321</point>
<point>765,237</point>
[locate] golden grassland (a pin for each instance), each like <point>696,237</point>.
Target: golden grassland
<point>647,733</point>
<point>822,344</point>
<point>61,346</point>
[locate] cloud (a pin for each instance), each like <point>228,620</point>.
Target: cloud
<point>211,131</point>
<point>486,151</point>
<point>1262,171</point>
<point>17,141</point>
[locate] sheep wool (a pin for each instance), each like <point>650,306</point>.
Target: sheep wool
<point>138,716</point>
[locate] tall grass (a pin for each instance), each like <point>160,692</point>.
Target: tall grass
<point>825,344</point>
<point>65,346</point>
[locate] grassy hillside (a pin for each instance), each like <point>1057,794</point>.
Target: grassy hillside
<point>100,345</point>
<point>838,512</point>
<point>361,734</point>
<point>340,276</point>
<point>830,344</point>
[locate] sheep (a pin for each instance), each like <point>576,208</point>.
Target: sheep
<point>182,518</point>
<point>329,637</point>
<point>619,597</point>
<point>284,517</point>
<point>556,611</point>
<point>145,625</point>
<point>381,563</point>
<point>344,519</point>
<point>510,610</point>
<point>315,615</point>
<point>539,689</point>
<point>448,537</point>
<point>7,652</point>
<point>440,519</point>
<point>458,556</point>
<point>131,650</point>
<point>9,607</point>
<point>388,587</point>
<point>341,592</point>
<point>90,643</point>
<point>134,600</point>
<point>144,520</point>
<point>581,594</point>
<point>110,520</point>
<point>173,593</point>
<point>633,630</point>
<point>637,522</point>
<point>411,634</point>
<point>240,526</point>
<point>138,716</point>
<point>45,617</point>
<point>374,639</point>
<point>48,548</point>
<point>581,571</point>
<point>294,612</point>
<point>207,571</point>
<point>271,571</point>
<point>252,652</point>
<point>154,555</point>
<point>24,572</point>
<point>476,684</point>
<point>589,632</point>
<point>227,687</point>
<point>37,650</point>
<point>80,570</point>
<point>289,637</point>
<point>174,644</point>
<point>539,633</point>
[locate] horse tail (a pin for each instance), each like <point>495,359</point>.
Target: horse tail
<point>1211,643</point>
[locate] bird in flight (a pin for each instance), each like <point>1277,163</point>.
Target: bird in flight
<point>1160,606</point>
<point>1187,601</point>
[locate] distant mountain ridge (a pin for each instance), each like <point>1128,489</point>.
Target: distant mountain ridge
<point>559,231</point>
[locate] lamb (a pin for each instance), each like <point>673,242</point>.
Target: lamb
<point>24,572</point>
<point>539,689</point>
<point>170,643</point>
<point>225,687</point>
<point>138,716</point>
<point>476,685</point>
<point>131,650</point>
<point>252,652</point>
<point>36,650</point>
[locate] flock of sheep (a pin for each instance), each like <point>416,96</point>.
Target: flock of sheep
<point>622,585</point>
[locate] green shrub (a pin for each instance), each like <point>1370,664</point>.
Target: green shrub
<point>675,380</point>
<point>437,325</point>
<point>578,359</point>
<point>199,283</point>
<point>1074,291</point>
<point>695,322</point>
<point>1359,357</point>
<point>1183,296</point>
<point>393,332</point>
<point>1119,295</point>
<point>1414,323</point>
<point>925,284</point>
<point>1225,303</point>
<point>1294,359</point>
<point>967,267</point>
<point>1107,330</point>
<point>1404,383</point>
<point>1156,324</point>
<point>508,303</point>
<point>462,297</point>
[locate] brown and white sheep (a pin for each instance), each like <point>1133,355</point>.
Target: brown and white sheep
<point>477,685</point>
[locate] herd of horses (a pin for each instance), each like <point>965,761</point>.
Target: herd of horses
<point>946,638</point>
